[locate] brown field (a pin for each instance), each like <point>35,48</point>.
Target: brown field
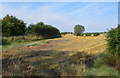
<point>60,56</point>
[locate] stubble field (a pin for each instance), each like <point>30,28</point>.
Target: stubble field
<point>60,56</point>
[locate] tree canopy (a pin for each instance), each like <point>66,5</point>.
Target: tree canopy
<point>79,29</point>
<point>40,29</point>
<point>113,37</point>
<point>12,26</point>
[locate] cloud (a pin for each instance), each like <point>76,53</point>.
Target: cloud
<point>91,15</point>
<point>42,13</point>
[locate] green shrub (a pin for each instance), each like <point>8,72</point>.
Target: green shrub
<point>113,40</point>
<point>40,29</point>
<point>5,41</point>
<point>88,34</point>
<point>64,33</point>
<point>104,70</point>
<point>12,26</point>
<point>96,34</point>
<point>18,39</point>
<point>99,62</point>
<point>105,59</point>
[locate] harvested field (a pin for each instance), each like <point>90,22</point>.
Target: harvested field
<point>60,56</point>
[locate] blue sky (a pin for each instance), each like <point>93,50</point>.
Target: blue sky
<point>95,16</point>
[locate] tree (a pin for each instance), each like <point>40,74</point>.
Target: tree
<point>113,37</point>
<point>12,26</point>
<point>78,29</point>
<point>111,40</point>
<point>40,29</point>
<point>118,39</point>
<point>29,29</point>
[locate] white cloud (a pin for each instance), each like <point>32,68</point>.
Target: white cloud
<point>60,19</point>
<point>40,14</point>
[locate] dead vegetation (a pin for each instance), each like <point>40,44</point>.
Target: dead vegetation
<point>61,56</point>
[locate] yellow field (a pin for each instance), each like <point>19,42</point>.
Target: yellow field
<point>58,56</point>
<point>92,45</point>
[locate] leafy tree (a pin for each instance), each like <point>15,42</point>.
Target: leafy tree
<point>12,26</point>
<point>29,29</point>
<point>111,40</point>
<point>78,29</point>
<point>40,29</point>
<point>113,37</point>
<point>118,39</point>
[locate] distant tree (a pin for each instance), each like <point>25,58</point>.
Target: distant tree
<point>12,26</point>
<point>78,29</point>
<point>64,33</point>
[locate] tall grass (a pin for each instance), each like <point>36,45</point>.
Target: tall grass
<point>104,65</point>
<point>104,70</point>
<point>17,39</point>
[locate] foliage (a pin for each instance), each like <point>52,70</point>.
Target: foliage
<point>105,59</point>
<point>4,42</point>
<point>12,26</point>
<point>64,33</point>
<point>29,29</point>
<point>118,39</point>
<point>40,29</point>
<point>89,34</point>
<point>78,29</point>
<point>104,70</point>
<point>113,40</point>
<point>18,39</point>
<point>103,65</point>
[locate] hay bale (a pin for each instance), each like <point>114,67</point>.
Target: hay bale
<point>84,35</point>
<point>92,35</point>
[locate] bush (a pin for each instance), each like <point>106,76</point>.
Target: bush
<point>8,40</point>
<point>103,65</point>
<point>96,34</point>
<point>40,29</point>
<point>104,70</point>
<point>64,33</point>
<point>4,42</point>
<point>105,59</point>
<point>11,26</point>
<point>113,40</point>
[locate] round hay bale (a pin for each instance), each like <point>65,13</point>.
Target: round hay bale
<point>84,35</point>
<point>92,35</point>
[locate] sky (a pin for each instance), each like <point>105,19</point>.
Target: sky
<point>94,16</point>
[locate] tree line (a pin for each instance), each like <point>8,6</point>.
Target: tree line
<point>12,26</point>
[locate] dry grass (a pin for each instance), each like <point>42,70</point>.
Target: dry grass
<point>92,45</point>
<point>61,56</point>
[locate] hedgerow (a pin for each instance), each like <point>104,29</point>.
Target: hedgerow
<point>113,40</point>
